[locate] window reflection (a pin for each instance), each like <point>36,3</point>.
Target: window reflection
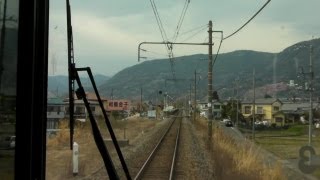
<point>8,72</point>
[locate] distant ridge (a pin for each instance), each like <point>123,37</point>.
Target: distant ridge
<point>153,76</point>
<point>58,85</point>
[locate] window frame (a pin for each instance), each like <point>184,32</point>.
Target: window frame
<point>259,110</point>
<point>32,74</point>
<point>246,111</point>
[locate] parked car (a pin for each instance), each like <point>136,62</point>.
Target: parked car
<point>225,120</point>
<point>9,142</point>
<point>12,142</point>
<point>229,123</point>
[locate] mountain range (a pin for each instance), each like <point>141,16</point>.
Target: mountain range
<point>58,85</point>
<point>231,71</point>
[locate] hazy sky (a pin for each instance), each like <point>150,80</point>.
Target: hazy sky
<point>106,34</point>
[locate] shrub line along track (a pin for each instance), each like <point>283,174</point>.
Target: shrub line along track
<point>161,162</point>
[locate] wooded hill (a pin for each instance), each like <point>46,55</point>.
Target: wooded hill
<point>156,75</point>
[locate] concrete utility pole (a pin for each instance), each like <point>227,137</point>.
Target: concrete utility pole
<point>254,103</point>
<point>190,99</point>
<point>310,95</point>
<point>232,101</point>
<point>195,95</point>
<point>140,101</point>
<point>210,82</point>
<point>111,93</point>
<point>237,97</point>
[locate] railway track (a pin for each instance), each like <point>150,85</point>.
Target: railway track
<point>161,162</point>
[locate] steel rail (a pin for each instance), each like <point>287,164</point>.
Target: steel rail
<point>175,153</point>
<point>150,157</point>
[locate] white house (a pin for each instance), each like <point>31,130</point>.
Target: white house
<point>55,112</point>
<point>216,109</point>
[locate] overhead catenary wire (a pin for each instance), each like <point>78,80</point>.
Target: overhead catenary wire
<point>248,20</point>
<point>194,29</point>
<point>183,13</point>
<point>184,10</point>
<point>164,35</point>
<point>222,38</point>
<point>145,50</point>
<point>169,47</point>
<point>194,34</point>
<point>216,56</point>
<point>159,22</point>
<point>199,28</point>
<point>160,25</point>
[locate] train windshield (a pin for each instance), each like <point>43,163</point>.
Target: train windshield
<point>183,90</point>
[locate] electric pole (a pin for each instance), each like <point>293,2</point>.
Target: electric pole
<point>237,97</point>
<point>195,95</point>
<point>232,102</point>
<point>190,100</point>
<point>210,82</point>
<point>310,95</point>
<point>254,103</point>
<point>140,101</point>
<point>111,93</point>
<point>157,105</point>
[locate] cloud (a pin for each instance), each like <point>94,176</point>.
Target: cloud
<point>102,41</point>
<point>107,34</point>
<point>271,37</point>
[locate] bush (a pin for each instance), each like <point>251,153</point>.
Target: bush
<point>286,126</point>
<point>260,127</point>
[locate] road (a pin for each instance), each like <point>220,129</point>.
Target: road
<point>291,167</point>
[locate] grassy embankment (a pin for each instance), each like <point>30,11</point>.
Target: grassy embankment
<point>59,154</point>
<point>239,161</point>
<point>285,143</point>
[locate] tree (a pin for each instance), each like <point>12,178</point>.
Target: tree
<point>230,110</point>
<point>215,95</point>
<point>267,96</point>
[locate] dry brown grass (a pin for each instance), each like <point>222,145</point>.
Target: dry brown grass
<point>59,155</point>
<point>240,161</point>
<point>62,136</point>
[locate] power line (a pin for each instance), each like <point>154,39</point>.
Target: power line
<point>216,56</point>
<point>222,39</point>
<point>169,47</point>
<point>153,52</point>
<point>155,11</point>
<point>193,29</point>
<point>183,13</point>
<point>248,20</point>
<point>194,34</point>
<point>206,39</point>
<point>164,35</point>
<point>184,10</point>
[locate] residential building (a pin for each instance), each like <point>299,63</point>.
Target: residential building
<point>80,111</point>
<point>294,111</point>
<point>216,108</point>
<point>55,112</point>
<point>93,98</point>
<point>267,109</point>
